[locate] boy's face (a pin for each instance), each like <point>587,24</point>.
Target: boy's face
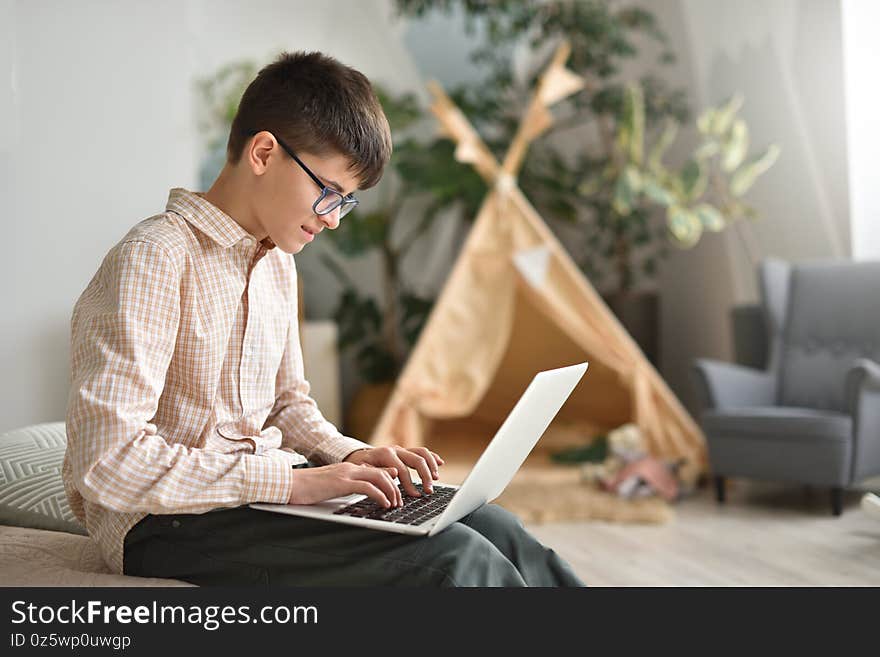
<point>285,193</point>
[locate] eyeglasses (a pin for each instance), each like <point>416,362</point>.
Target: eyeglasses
<point>329,199</point>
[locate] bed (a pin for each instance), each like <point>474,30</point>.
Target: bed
<point>41,542</point>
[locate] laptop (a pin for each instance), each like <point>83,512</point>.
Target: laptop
<point>499,462</point>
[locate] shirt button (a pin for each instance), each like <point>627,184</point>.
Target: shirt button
<point>175,523</point>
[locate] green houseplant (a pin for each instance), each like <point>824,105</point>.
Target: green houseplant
<point>422,179</point>
<point>703,194</point>
<point>581,142</point>
<point>598,175</point>
<point>635,191</point>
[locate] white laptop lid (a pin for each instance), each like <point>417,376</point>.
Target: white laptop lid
<point>513,441</point>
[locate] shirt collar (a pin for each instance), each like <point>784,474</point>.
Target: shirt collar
<point>208,218</point>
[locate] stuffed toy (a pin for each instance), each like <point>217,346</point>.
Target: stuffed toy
<point>629,471</point>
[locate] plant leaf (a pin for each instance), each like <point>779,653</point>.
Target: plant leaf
<point>723,117</point>
<point>735,146</point>
<point>401,111</point>
<point>414,313</point>
<point>589,185</point>
<point>706,120</point>
<point>358,319</point>
<point>375,362</point>
<point>710,217</point>
<point>657,192</point>
<point>624,195</point>
<point>633,178</point>
<point>684,225</point>
<point>744,177</point>
<point>634,123</point>
<point>693,179</point>
<point>360,232</point>
<point>655,158</point>
<point>707,149</point>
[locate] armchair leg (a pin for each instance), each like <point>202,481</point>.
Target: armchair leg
<point>837,500</point>
<point>719,489</point>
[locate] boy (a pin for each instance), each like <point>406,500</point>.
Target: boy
<point>188,400</point>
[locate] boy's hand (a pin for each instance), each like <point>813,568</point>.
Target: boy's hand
<point>312,485</point>
<point>421,459</point>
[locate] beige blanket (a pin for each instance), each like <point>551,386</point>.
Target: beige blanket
<point>37,557</point>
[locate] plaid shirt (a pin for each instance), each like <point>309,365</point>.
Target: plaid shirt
<point>187,390</point>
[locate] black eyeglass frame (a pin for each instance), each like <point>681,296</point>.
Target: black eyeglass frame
<point>345,203</point>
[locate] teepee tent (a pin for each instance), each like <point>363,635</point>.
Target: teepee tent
<point>515,304</point>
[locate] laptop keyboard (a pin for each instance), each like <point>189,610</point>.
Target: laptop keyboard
<point>415,510</point>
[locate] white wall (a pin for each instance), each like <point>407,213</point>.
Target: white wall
<point>785,56</point>
<point>97,123</point>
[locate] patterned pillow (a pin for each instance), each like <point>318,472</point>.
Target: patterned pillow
<point>31,491</point>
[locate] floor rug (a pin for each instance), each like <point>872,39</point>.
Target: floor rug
<point>543,491</point>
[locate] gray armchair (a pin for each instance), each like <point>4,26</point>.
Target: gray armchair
<point>813,416</point>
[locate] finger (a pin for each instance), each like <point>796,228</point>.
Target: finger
<point>428,455</point>
<point>437,458</point>
<point>371,491</point>
<point>406,479</point>
<point>382,480</point>
<point>398,496</point>
<point>416,462</point>
<point>391,471</point>
<point>386,457</point>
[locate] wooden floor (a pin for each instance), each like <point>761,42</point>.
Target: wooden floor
<point>764,535</point>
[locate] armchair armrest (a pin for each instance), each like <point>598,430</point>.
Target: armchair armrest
<point>725,385</point>
<point>863,399</point>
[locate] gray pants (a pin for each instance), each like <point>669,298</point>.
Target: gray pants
<point>244,546</point>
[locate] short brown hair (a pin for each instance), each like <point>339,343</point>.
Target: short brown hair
<point>316,105</point>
